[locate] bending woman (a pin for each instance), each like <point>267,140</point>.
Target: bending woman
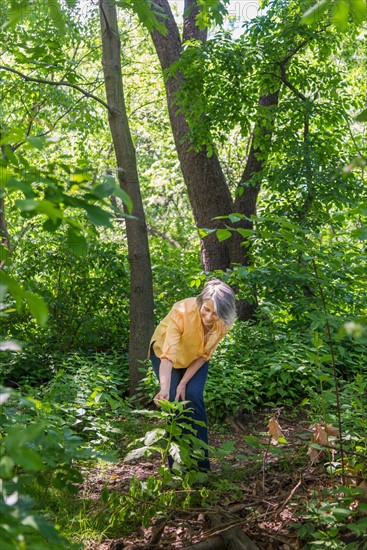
<point>182,345</point>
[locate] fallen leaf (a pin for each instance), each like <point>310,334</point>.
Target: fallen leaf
<point>331,430</point>
<point>275,431</point>
<point>321,438</point>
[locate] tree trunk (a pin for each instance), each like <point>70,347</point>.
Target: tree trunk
<point>207,189</point>
<point>208,192</point>
<point>141,293</point>
<point>246,202</point>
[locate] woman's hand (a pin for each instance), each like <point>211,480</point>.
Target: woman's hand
<point>181,392</point>
<point>162,395</point>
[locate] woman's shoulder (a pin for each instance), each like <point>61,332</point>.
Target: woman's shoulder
<point>186,306</point>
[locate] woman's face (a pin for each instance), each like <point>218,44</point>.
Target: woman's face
<point>208,314</point>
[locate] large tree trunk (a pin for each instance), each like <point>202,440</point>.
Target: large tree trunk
<point>141,293</point>
<point>208,192</point>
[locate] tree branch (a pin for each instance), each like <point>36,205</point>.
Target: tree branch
<point>289,85</point>
<point>56,83</point>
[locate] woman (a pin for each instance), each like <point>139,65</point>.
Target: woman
<point>182,345</point>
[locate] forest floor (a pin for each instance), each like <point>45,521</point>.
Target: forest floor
<point>268,487</point>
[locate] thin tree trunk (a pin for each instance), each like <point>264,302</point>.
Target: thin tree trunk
<point>141,293</point>
<point>246,202</point>
<point>4,234</point>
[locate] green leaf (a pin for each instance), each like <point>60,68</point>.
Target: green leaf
<point>358,9</point>
<point>226,447</point>
<point>98,216</point>
<point>121,194</point>
<point>38,307</point>
<point>360,527</point>
<point>51,225</point>
<point>6,467</point>
<point>28,459</point>
<point>340,15</point>
<point>235,217</point>
<point>76,242</point>
<point>105,189</point>
<point>36,142</point>
<point>245,232</point>
<point>4,255</point>
<point>80,176</point>
<point>314,14</point>
<point>146,12</point>
<point>154,436</point>
<point>137,453</point>
<point>26,205</point>
<point>203,232</point>
<point>223,234</point>
<point>360,233</point>
<point>56,15</point>
<point>49,209</point>
<point>17,15</point>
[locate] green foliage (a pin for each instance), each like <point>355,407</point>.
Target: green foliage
<point>26,449</point>
<point>329,521</point>
<point>85,393</point>
<point>56,180</point>
<point>87,297</point>
<point>122,515</point>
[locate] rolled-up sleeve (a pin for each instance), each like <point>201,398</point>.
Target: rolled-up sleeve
<point>174,332</point>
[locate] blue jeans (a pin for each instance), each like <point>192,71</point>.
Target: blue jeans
<point>194,394</point>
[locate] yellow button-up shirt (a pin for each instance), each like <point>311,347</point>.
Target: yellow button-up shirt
<point>179,337</point>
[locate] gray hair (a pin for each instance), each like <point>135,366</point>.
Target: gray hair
<point>223,298</point>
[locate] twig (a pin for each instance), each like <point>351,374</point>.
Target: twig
<point>264,462</point>
<point>282,506</point>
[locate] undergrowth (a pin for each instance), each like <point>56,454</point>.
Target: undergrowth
<point>80,421</point>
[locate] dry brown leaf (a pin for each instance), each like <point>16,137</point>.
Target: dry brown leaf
<point>275,431</point>
<point>331,430</point>
<point>321,438</point>
<point>320,435</point>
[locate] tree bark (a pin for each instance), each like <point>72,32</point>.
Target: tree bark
<point>141,293</point>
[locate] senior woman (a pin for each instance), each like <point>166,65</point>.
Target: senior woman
<point>182,345</point>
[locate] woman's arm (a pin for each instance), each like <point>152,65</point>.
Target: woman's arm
<point>191,370</point>
<point>165,370</point>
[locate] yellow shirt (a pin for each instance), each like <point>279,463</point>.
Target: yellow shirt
<point>179,337</point>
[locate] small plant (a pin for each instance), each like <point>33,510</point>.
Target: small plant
<point>175,438</point>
